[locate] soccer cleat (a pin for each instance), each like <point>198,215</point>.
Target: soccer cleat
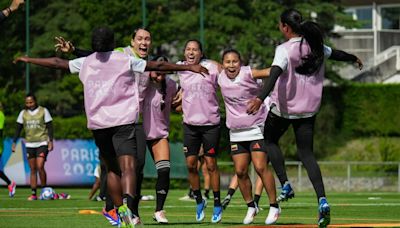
<point>159,216</point>
<point>324,210</point>
<point>126,216</point>
<point>200,210</point>
<point>217,214</point>
<point>226,201</point>
<point>286,193</point>
<point>136,221</point>
<point>11,189</point>
<point>63,196</point>
<point>251,213</point>
<point>32,197</point>
<point>112,217</point>
<point>273,215</point>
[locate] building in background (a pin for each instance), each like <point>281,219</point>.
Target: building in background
<point>376,41</point>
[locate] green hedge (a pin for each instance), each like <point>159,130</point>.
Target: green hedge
<point>372,110</point>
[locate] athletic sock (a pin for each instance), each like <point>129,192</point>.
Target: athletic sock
<point>109,203</point>
<point>251,204</point>
<point>162,185</point>
<point>128,200</point>
<point>197,196</point>
<point>217,198</point>
<point>257,199</point>
<point>231,191</point>
<point>274,205</point>
<point>4,177</point>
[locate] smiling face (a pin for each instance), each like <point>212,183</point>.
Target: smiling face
<point>157,76</point>
<point>231,64</point>
<point>193,52</point>
<point>141,43</point>
<point>30,103</point>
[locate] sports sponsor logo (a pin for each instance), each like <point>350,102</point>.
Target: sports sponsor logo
<point>234,147</point>
<point>256,146</point>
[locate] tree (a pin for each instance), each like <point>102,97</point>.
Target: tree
<point>248,26</point>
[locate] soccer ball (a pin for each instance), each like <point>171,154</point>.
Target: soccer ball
<point>47,193</point>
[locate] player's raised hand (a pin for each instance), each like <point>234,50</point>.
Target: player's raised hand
<point>63,45</point>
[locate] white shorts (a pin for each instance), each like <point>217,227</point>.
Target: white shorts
<point>97,171</point>
<point>247,134</point>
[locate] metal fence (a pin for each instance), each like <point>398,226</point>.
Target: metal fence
<point>341,176</point>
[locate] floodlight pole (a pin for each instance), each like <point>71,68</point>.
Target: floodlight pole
<point>202,22</point>
<point>27,51</point>
<point>144,22</point>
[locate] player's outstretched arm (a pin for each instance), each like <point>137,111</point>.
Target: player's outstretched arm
<point>166,66</point>
<point>260,73</point>
<point>53,62</point>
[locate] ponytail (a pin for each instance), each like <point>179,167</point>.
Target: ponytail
<point>313,35</point>
<point>161,58</point>
<point>164,93</point>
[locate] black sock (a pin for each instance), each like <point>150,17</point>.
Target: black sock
<point>197,196</point>
<point>109,202</point>
<point>257,199</point>
<point>231,191</point>
<point>33,191</point>
<point>4,177</point>
<point>128,200</point>
<point>217,198</point>
<point>162,185</point>
<point>251,204</point>
<point>191,193</point>
<point>274,205</point>
<point>207,193</point>
<point>136,199</point>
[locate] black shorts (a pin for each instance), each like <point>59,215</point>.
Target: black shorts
<point>194,136</point>
<point>116,141</point>
<point>248,147</point>
<point>41,151</point>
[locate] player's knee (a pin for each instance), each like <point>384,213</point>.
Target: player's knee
<point>241,173</point>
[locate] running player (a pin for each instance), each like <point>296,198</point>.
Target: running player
<point>296,82</point>
<point>238,84</point>
<point>157,105</point>
<point>201,125</point>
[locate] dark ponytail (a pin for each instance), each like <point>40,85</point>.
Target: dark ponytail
<point>312,33</point>
<point>313,61</point>
<point>163,82</point>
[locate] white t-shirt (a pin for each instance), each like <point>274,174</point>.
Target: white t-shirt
<point>47,118</point>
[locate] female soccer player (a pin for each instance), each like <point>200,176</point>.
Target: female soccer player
<point>37,123</point>
<point>139,47</point>
<point>238,84</point>
<point>296,82</point>
<point>157,105</point>
<point>201,124</point>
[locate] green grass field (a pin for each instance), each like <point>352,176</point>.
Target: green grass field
<point>347,208</point>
